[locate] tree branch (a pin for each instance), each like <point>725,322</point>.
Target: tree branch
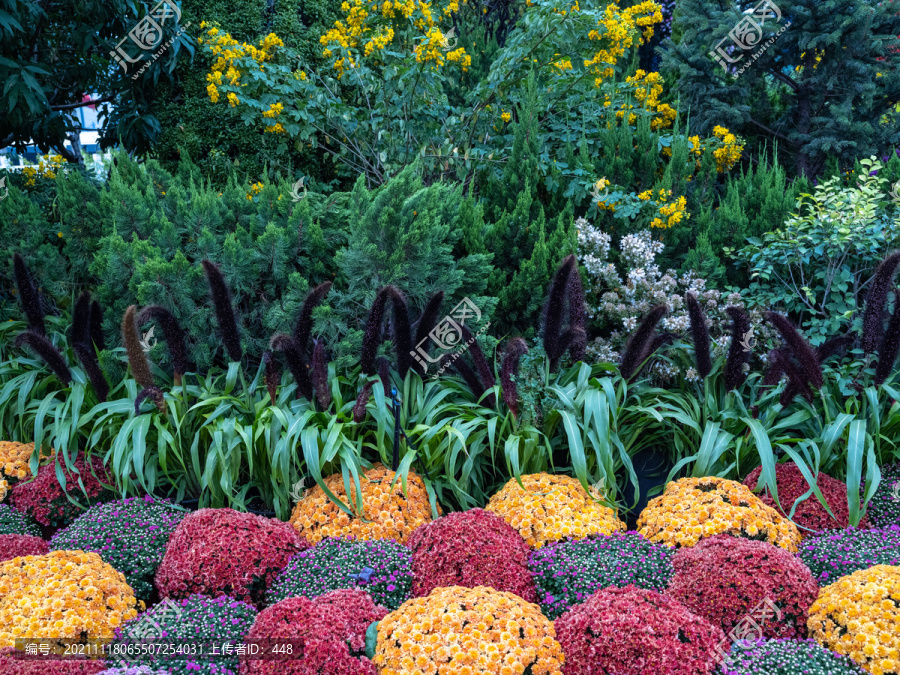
<point>72,106</point>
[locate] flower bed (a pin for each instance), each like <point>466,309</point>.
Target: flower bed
<point>636,631</point>
<point>724,578</point>
<point>832,555</point>
<point>552,508</point>
<point>13,662</point>
<point>134,670</point>
<point>472,548</point>
<point>222,552</point>
<point>809,514</point>
<point>13,521</point>
<point>194,620</point>
<point>15,545</point>
<point>387,512</point>
<point>786,657</point>
<point>44,499</point>
<point>327,566</point>
<point>327,635</point>
<point>35,590</point>
<point>567,573</point>
<point>858,616</point>
<point>457,631</point>
<point>129,534</point>
<point>692,509</point>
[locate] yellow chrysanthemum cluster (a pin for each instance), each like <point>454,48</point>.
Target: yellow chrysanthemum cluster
<point>14,459</point>
<point>647,88</point>
<point>62,595</point>
<point>387,514</point>
<point>728,155</point>
<point>692,509</point>
<point>622,29</point>
<point>48,166</point>
<point>859,616</point>
<point>671,213</point>
<point>467,631</point>
<point>227,51</point>
<point>551,508</point>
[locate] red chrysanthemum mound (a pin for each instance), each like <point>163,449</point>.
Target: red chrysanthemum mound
<point>327,635</point>
<point>633,631</point>
<point>44,500</point>
<point>810,514</point>
<point>471,548</point>
<point>13,662</point>
<point>15,545</point>
<point>725,579</point>
<point>223,552</point>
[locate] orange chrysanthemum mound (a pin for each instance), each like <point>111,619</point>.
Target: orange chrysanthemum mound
<point>14,458</point>
<point>387,513</point>
<point>858,616</point>
<point>64,594</point>
<point>467,631</point>
<point>551,508</point>
<point>692,509</point>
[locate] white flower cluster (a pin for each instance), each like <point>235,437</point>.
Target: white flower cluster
<point>620,301</point>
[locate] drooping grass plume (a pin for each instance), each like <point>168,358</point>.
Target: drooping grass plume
<point>637,348</point>
<point>154,394</point>
<point>359,408</point>
<point>805,355</point>
<point>485,372</point>
<point>775,371</point>
<point>140,367</point>
<point>320,375</point>
<point>402,331</point>
<point>221,298</point>
<point>738,354</point>
<point>887,350</point>
<point>555,308</point>
<point>699,336</point>
<point>873,318</point>
<point>303,329</point>
<point>295,362</point>
<point>384,374</point>
<point>81,315</point>
<point>509,370</point>
<point>372,333</point>
<point>88,358</point>
<point>45,349</point>
<point>797,383</point>
<point>575,340</point>
<point>172,334</point>
<point>465,371</point>
<point>429,319</point>
<point>273,374</point>
<point>831,347</point>
<point>29,296</point>
<point>660,340</point>
<point>577,316</point>
<point>95,326</point>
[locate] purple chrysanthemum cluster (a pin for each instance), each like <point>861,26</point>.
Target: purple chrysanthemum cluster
<point>129,534</point>
<point>567,573</point>
<point>13,521</point>
<point>380,567</point>
<point>843,552</point>
<point>134,670</point>
<point>786,657</point>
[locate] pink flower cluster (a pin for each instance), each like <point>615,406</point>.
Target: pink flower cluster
<point>13,662</point>
<point>724,578</point>
<point>218,552</point>
<point>44,500</point>
<point>327,635</point>
<point>634,631</point>
<point>16,545</point>
<point>810,514</point>
<point>471,548</point>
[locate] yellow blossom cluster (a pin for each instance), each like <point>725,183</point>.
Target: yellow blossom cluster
<point>467,631</point>
<point>647,195</point>
<point>48,166</point>
<point>551,508</point>
<point>255,189</point>
<point>859,616</point>
<point>387,513</point>
<point>621,31</point>
<point>647,88</point>
<point>730,152</point>
<point>692,509</point>
<point>64,594</point>
<point>227,51</point>
<point>434,50</point>
<point>671,213</point>
<point>14,459</point>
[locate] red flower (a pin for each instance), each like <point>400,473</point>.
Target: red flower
<point>724,578</point>
<point>472,548</point>
<point>15,545</point>
<point>810,514</point>
<point>633,631</point>
<point>223,552</point>
<point>13,662</point>
<point>326,635</point>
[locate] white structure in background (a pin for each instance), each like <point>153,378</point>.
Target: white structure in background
<point>87,120</point>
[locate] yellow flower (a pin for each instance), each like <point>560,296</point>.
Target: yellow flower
<point>506,117</point>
